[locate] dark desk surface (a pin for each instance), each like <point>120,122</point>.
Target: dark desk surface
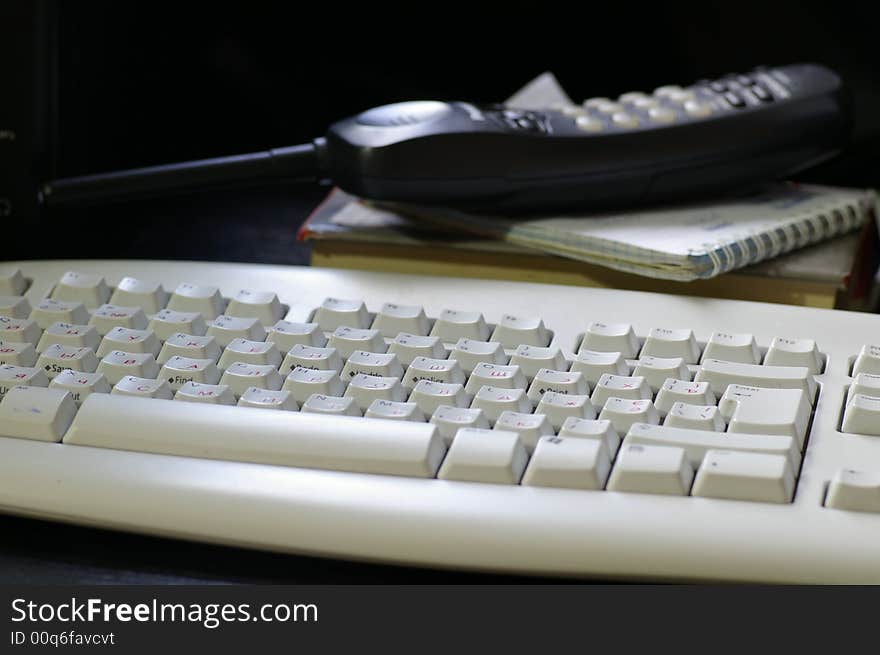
<point>244,227</point>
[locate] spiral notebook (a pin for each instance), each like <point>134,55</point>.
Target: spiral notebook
<point>684,242</point>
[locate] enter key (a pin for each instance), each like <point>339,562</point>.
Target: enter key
<point>757,410</point>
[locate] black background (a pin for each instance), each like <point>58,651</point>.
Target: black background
<point>143,83</point>
<point>149,82</point>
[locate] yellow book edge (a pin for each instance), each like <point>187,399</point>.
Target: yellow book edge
<point>451,262</point>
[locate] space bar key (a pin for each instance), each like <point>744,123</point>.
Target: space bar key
<point>243,434</point>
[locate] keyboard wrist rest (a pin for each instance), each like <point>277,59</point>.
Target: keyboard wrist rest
<point>474,526</point>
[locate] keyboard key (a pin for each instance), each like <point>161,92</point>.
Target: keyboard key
<point>261,353</point>
<point>620,386</point>
<point>262,305</point>
<point>728,347</point>
<point>622,119</point>
<point>679,391</point>
<point>865,384</point>
<point>19,329</point>
<point>393,319</point>
<point>656,370</point>
<point>267,399</point>
<point>21,376</point>
<point>67,334</point>
<point>745,476</point>
<point>409,346</point>
<point>611,337</point>
<point>12,282</point>
<point>594,365</point>
<point>661,114</point>
<point>90,290</point>
<point>569,110</point>
<point>213,394</point>
<point>668,90</point>
<point>28,412</point>
<point>795,352</point>
<point>18,353</point>
<point>561,382</point>
<point>589,124</point>
<point>367,388</point>
<point>665,342</point>
<point>568,463</point>
<point>177,371</point>
<point>634,97</point>
<point>297,439</point>
<point>532,359</point>
<point>131,292</point>
<point>485,456</point>
<point>14,306</point>
<point>695,417</point>
<point>197,299</point>
<point>50,311</point>
<point>107,317</point>
<point>862,415</point>
<point>453,325</point>
<point>347,339</point>
<point>117,364</point>
<point>80,385</point>
<point>397,411</point>
<point>638,99</point>
<point>868,361</point>
<point>651,470</point>
<point>338,312</point>
<point>582,120</point>
<point>227,329</point>
<point>240,376</point>
<point>130,341</point>
<point>697,442</point>
<point>171,321</point>
<point>449,420</point>
<point>560,406</point>
<point>304,382</point>
<point>698,109</point>
<point>131,385</point>
<point>494,401</point>
<point>513,331</point>
<point>623,413</point>
<point>529,427</point>
<point>854,490</point>
<point>495,375</point>
<point>320,359</point>
<point>470,353</point>
<point>766,411</point>
<point>57,358</point>
<point>446,371</point>
<point>382,364</point>
<point>578,428</point>
<point>336,405</point>
<point>189,345</point>
<point>720,374</point>
<point>430,395</point>
<point>596,103</point>
<point>287,334</point>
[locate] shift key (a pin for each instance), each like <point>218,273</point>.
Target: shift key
<point>720,374</point>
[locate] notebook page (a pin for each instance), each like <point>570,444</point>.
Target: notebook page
<point>795,211</point>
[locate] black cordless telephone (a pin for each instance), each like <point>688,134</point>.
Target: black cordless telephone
<point>711,137</point>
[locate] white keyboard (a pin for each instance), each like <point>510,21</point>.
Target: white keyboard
<point>449,423</point>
